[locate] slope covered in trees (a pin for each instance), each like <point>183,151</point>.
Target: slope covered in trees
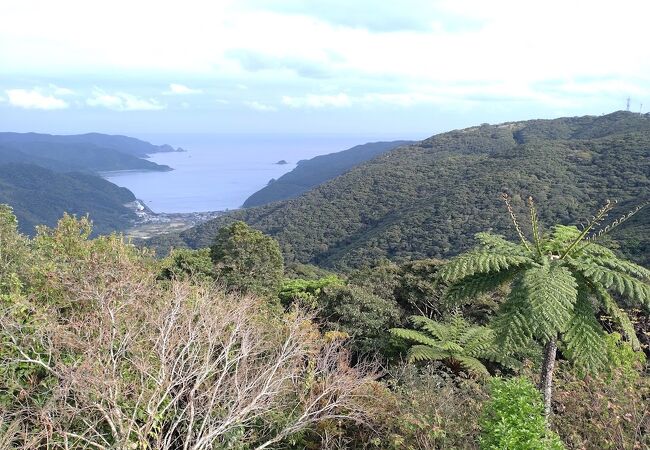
<point>312,172</point>
<point>64,157</point>
<point>40,196</point>
<point>123,144</point>
<point>429,199</point>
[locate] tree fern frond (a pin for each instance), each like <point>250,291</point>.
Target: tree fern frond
<point>498,244</point>
<point>477,340</point>
<point>502,358</point>
<point>438,330</point>
<point>623,266</point>
<point>618,316</point>
<point>551,292</point>
<point>622,283</point>
<point>425,353</point>
<point>451,347</point>
<point>512,323</point>
<point>583,342</point>
<point>472,287</point>
<point>475,262</point>
<point>416,336</point>
<point>472,365</point>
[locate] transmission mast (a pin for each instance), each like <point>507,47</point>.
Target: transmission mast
<point>628,104</point>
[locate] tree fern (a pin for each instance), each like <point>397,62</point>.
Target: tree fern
<point>558,289</point>
<point>457,343</point>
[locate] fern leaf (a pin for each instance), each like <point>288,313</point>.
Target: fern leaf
<point>551,292</point>
<point>512,323</point>
<point>476,262</point>
<point>583,342</point>
<point>425,353</point>
<point>472,287</point>
<point>437,329</point>
<point>414,335</point>
<point>472,365</point>
<point>618,316</point>
<point>495,243</point>
<point>477,340</point>
<point>501,358</point>
<point>626,285</point>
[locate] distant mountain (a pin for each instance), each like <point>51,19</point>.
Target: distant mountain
<point>41,196</point>
<point>86,153</point>
<point>73,157</point>
<point>428,199</point>
<point>312,172</point>
<point>123,144</point>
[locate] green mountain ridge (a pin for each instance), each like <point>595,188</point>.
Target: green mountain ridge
<point>429,198</point>
<point>123,144</point>
<point>40,196</point>
<point>312,172</point>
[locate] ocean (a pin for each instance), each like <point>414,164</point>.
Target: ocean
<point>219,172</point>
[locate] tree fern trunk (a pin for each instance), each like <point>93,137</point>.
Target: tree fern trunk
<point>546,378</point>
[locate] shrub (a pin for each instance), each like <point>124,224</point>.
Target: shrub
<point>514,418</point>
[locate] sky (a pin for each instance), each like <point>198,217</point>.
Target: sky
<point>408,68</point>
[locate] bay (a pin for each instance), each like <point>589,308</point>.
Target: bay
<point>219,172</point>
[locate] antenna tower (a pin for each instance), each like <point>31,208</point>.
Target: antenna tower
<point>628,104</point>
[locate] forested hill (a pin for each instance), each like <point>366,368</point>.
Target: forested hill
<point>312,172</point>
<point>88,152</point>
<point>41,196</point>
<point>123,144</point>
<point>430,198</point>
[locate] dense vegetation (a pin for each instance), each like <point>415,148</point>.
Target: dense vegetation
<point>104,346</point>
<point>40,196</point>
<point>312,172</point>
<point>73,157</point>
<point>428,199</point>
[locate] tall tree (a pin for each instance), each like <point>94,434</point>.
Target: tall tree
<point>559,283</point>
<point>246,259</point>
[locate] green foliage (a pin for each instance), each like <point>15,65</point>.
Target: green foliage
<point>457,343</point>
<point>247,260</point>
<point>427,409</point>
<point>184,263</point>
<point>312,172</point>
<point>41,196</point>
<point>415,202</point>
<point>306,292</point>
<point>362,315</point>
<point>514,418</point>
<point>557,289</point>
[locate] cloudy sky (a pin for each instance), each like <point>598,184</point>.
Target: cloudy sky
<point>407,67</point>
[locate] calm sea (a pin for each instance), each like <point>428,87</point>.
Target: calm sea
<point>219,172</point>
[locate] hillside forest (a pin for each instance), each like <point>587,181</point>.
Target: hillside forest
<point>486,288</point>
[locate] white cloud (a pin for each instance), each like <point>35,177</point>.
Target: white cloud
<point>257,106</point>
<point>181,89</point>
<point>318,101</point>
<point>34,99</point>
<point>58,90</point>
<point>121,101</point>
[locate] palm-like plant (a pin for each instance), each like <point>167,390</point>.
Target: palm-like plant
<point>559,282</point>
<point>457,343</point>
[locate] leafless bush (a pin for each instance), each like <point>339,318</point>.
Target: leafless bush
<point>141,366</point>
